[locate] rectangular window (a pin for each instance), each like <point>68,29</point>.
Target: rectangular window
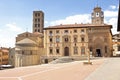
<point>82,30</point>
<point>50,39</point>
<point>35,25</point>
<point>66,31</point>
<point>38,20</point>
<point>23,52</point>
<point>38,14</point>
<point>66,39</point>
<point>75,39</point>
<point>118,47</point>
<point>51,51</point>
<point>38,30</point>
<point>57,39</point>
<point>82,50</point>
<point>57,31</point>
<point>35,20</point>
<point>57,51</point>
<point>38,25</point>
<point>82,39</point>
<point>75,31</point>
<point>50,32</point>
<point>118,40</point>
<point>75,50</point>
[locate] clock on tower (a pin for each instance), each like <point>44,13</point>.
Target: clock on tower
<point>97,16</point>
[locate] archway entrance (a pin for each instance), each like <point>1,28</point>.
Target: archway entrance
<point>66,51</point>
<point>98,53</point>
<point>46,61</point>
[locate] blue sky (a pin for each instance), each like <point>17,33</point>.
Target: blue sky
<point>16,15</point>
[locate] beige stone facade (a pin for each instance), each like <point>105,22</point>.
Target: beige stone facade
<point>66,40</point>
<point>100,40</point>
<point>99,34</point>
<point>29,48</point>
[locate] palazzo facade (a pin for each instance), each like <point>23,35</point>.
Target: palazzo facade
<point>66,40</point>
<point>76,40</point>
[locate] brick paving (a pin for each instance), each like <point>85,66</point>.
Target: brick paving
<point>65,71</point>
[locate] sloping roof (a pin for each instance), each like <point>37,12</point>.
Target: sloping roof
<point>76,26</point>
<point>26,41</point>
<point>24,33</point>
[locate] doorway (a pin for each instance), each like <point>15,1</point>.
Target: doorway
<point>46,61</point>
<point>66,51</point>
<point>98,53</point>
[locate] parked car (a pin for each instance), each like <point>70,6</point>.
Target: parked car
<point>6,66</point>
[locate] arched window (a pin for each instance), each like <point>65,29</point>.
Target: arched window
<point>66,39</point>
<point>82,50</point>
<point>75,50</point>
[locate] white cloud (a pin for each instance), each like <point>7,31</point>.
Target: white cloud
<point>81,18</point>
<point>111,17</point>
<point>109,13</point>
<point>113,7</point>
<point>8,34</point>
<point>113,21</point>
<point>46,22</point>
<point>13,27</point>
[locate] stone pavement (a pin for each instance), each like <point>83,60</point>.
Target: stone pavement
<point>65,71</point>
<point>109,70</point>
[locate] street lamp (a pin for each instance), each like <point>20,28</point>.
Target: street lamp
<point>88,58</point>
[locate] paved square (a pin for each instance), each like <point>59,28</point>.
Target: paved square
<point>65,71</point>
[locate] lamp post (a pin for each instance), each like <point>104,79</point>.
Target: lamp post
<point>88,58</point>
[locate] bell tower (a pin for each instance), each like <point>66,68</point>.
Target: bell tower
<point>38,21</point>
<point>97,16</point>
